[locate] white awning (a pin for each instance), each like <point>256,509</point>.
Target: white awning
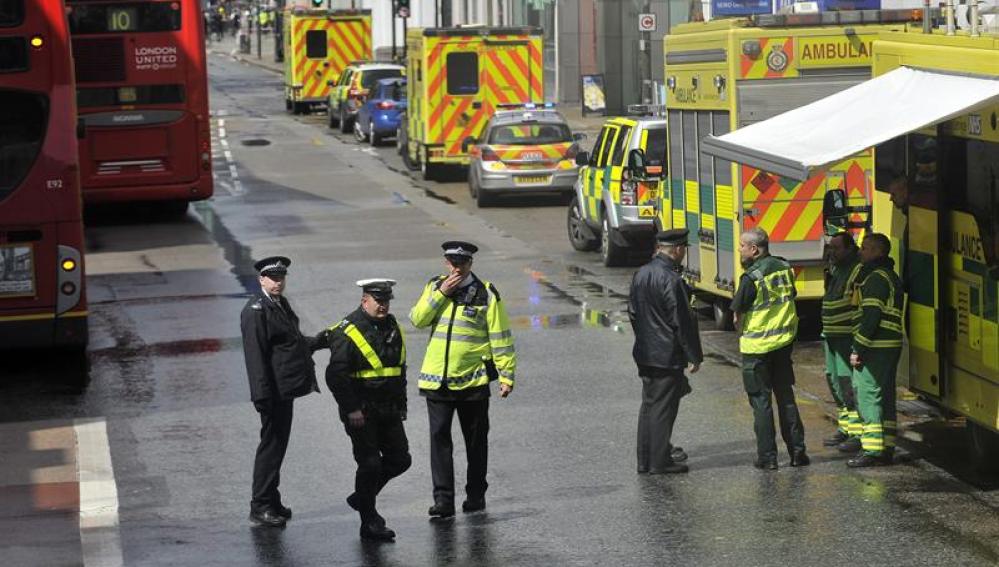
<point>803,141</point>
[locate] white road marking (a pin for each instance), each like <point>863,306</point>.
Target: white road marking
<point>236,187</point>
<point>99,534</point>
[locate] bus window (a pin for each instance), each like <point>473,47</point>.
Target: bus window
<point>128,17</point>
<point>23,118</point>
<point>462,73</point>
<point>11,13</point>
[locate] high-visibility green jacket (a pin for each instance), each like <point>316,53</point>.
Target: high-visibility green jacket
<point>771,321</point>
<point>839,315</point>
<point>470,340</point>
<point>880,300</point>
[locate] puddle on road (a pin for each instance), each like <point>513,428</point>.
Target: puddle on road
<point>580,293</point>
<point>237,254</point>
<point>170,348</point>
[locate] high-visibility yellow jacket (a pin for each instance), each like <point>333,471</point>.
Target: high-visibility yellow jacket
<point>771,321</point>
<point>880,300</point>
<point>839,315</point>
<point>470,340</point>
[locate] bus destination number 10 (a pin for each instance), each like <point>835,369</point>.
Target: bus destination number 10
<point>122,19</point>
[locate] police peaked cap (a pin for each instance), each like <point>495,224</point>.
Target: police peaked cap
<point>674,236</point>
<point>459,248</point>
<point>379,288</point>
<point>276,265</point>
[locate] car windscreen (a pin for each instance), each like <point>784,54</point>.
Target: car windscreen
<point>371,77</point>
<point>530,134</point>
<point>655,147</point>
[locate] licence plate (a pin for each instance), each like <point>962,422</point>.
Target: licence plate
<point>532,179</point>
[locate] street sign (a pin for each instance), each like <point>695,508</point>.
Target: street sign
<point>646,22</point>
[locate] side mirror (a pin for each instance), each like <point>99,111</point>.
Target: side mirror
<point>467,143</point>
<point>579,137</point>
<point>640,169</point>
<point>835,214</point>
<point>582,158</point>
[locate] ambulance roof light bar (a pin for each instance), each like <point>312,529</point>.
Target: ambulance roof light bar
<point>846,17</point>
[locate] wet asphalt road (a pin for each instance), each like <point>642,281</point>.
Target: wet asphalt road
<point>167,375</point>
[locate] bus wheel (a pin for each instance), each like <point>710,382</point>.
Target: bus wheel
<point>983,444</point>
<point>172,209</point>
<point>580,235</point>
<point>723,315</point>
<point>610,252</point>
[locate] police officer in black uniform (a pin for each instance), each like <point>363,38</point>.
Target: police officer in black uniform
<point>280,368</point>
<point>666,343</point>
<point>367,375</point>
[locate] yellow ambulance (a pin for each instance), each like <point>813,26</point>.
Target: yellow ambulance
<point>457,78</point>
<point>318,46</point>
<point>931,113</point>
<point>724,75</point>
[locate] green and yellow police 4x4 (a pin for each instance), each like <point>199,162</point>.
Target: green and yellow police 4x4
<point>618,218</point>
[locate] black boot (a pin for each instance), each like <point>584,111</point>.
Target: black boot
<point>267,517</point>
<point>851,445</point>
<point>865,460</point>
<point>377,531</point>
<point>473,504</point>
<point>766,464</point>
<point>800,460</point>
<point>441,510</point>
<point>835,439</point>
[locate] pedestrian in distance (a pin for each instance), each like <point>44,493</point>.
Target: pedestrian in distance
<point>877,347</point>
<point>666,343</point>
<point>470,346</point>
<point>839,318</point>
<point>280,368</point>
<point>764,308</point>
<point>367,376</point>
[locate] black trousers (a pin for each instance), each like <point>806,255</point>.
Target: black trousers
<point>473,416</point>
<point>661,393</point>
<point>381,451</point>
<point>275,429</point>
<point>767,376</point>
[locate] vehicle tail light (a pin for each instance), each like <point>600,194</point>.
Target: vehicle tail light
<point>386,105</point>
<point>629,190</point>
<point>570,154</point>
<point>488,154</point>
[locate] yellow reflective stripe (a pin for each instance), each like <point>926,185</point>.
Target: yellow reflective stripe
<point>362,345</point>
<point>500,335</point>
<point>891,326</point>
<point>379,373</point>
<point>442,335</point>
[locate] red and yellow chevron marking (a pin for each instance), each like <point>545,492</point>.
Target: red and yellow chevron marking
<point>507,74</point>
<point>786,214</point>
<point>551,155</point>
<point>348,39</point>
<point>776,59</point>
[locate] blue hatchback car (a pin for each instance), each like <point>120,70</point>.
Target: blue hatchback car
<point>378,117</point>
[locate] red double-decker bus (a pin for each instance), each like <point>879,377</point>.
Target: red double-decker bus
<point>142,91</point>
<point>42,300</point>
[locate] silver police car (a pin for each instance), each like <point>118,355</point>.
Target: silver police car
<point>525,150</point>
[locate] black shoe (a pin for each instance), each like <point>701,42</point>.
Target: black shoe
<point>800,460</point>
<point>267,518</point>
<point>376,531</point>
<point>283,511</point>
<point>851,445</point>
<point>678,454</point>
<point>863,461</point>
<point>441,511</point>
<point>835,440</point>
<point>767,465</point>
<point>473,504</point>
<point>352,501</point>
<point>672,468</point>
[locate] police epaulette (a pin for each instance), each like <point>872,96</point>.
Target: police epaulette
<point>492,288</point>
<point>343,323</point>
<point>256,305</point>
<point>438,279</point>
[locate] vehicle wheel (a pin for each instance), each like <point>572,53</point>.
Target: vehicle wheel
<point>724,320</point>
<point>983,444</point>
<point>172,209</point>
<point>345,122</point>
<point>334,120</point>
<point>579,234</point>
<point>482,198</point>
<point>429,170</point>
<point>374,138</point>
<point>610,253</point>
<point>287,104</point>
<point>358,133</point>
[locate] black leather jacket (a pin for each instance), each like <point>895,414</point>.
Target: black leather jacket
<point>278,357</point>
<point>666,331</point>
